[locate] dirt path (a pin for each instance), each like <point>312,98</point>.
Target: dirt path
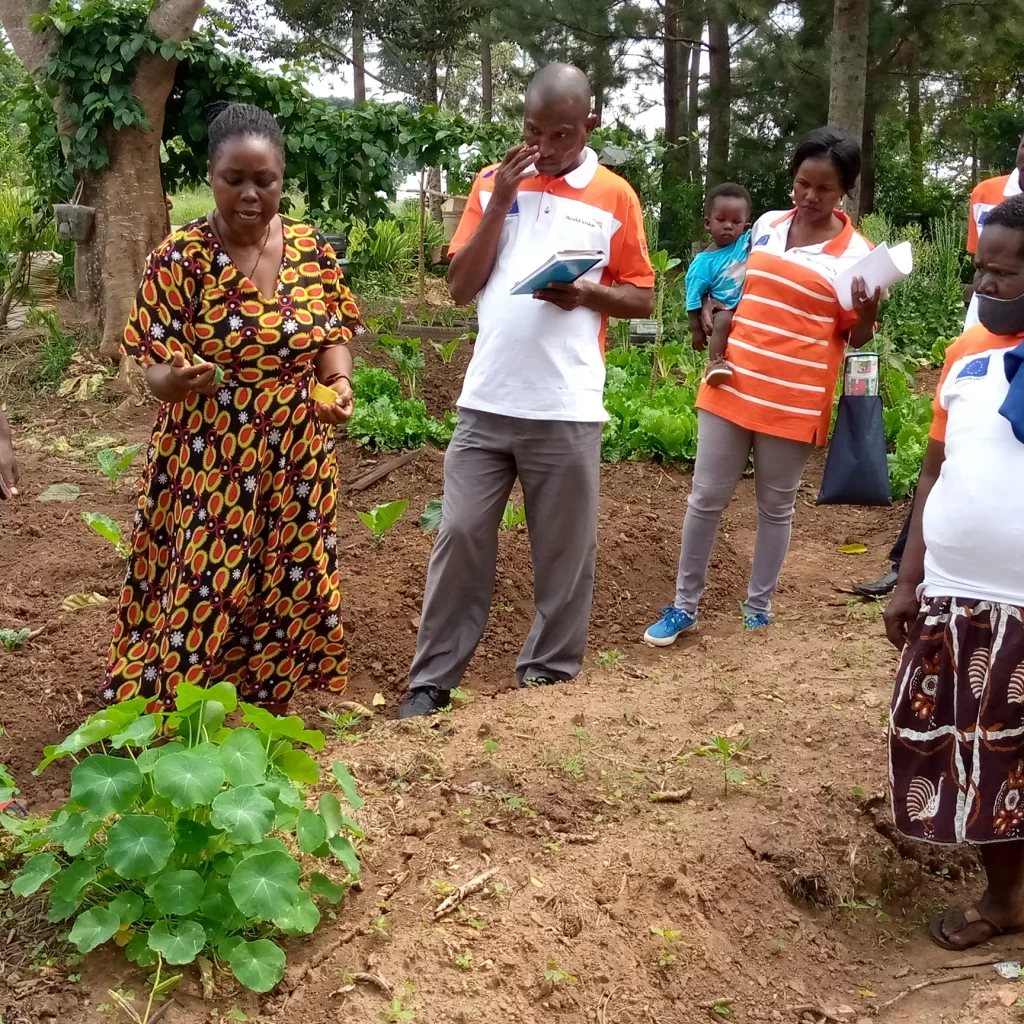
<point>783,891</point>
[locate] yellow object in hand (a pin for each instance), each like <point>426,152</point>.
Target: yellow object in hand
<point>322,393</point>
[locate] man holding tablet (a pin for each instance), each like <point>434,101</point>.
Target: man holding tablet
<point>532,402</point>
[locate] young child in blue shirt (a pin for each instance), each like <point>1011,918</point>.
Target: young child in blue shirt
<point>719,271</point>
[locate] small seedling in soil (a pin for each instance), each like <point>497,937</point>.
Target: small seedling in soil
<point>379,927</point>
<point>394,1012</point>
<point>345,724</point>
<point>407,357</point>
<point>461,696</point>
<point>115,462</point>
<point>381,518</point>
<point>609,659</point>
<point>109,529</point>
<point>573,765</point>
<point>12,639</point>
<point>513,516</point>
<point>491,747</point>
<point>669,936</point>
<point>557,976</point>
<point>431,518</point>
<point>448,350</point>
<point>502,607</point>
<point>725,751</point>
<point>721,1009</point>
<point>465,961</point>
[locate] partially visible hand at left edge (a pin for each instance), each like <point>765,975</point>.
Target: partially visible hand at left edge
<point>567,296</point>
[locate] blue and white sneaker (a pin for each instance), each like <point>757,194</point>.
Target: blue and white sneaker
<point>673,621</point>
<point>755,620</point>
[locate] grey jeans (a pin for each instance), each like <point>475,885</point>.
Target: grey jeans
<point>722,452</point>
<point>558,465</point>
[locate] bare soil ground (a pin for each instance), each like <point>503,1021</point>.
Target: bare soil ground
<point>782,898</point>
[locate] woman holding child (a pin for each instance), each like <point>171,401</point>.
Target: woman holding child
<point>786,342</point>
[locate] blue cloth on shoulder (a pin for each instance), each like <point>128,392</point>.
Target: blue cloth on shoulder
<point>1013,405</point>
<point>719,272</point>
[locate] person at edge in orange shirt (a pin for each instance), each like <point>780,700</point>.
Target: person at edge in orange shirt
<point>986,196</point>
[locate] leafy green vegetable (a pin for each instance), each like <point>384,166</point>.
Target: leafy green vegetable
<point>183,841</point>
<point>381,518</point>
<point>109,529</point>
<point>115,462</point>
<point>12,639</point>
<point>431,518</point>
<point>407,357</point>
<point>513,516</point>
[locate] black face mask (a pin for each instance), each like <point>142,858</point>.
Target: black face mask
<point>1001,316</point>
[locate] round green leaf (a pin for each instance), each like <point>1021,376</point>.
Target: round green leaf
<point>151,756</point>
<point>222,693</point>
<point>179,942</point>
<point>138,734</point>
<point>71,831</point>
<point>243,757</point>
<point>244,813</point>
<point>177,892</point>
<point>138,951</point>
<point>301,919</point>
<point>188,779</point>
<point>72,880</point>
<point>218,905</point>
<point>298,766</point>
<point>268,845</point>
<point>191,836</point>
<point>343,849</point>
<point>330,811</point>
<point>38,870</point>
<point>257,965</point>
<point>311,831</point>
<point>128,907</point>
<point>96,926</point>
<point>139,845</point>
<point>105,785</point>
<point>321,885</point>
<point>265,886</point>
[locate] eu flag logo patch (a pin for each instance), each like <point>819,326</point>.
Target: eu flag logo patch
<point>975,369</point>
<point>763,240</point>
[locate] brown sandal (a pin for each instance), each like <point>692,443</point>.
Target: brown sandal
<point>972,915</point>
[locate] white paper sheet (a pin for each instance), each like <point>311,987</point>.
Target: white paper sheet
<point>881,268</point>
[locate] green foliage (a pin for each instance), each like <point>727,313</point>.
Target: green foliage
<point>513,516</point>
<point>12,639</point>
<point>407,357</point>
<point>381,518</point>
<point>384,420</point>
<point>175,847</point>
<point>725,751</point>
<point>58,347</point>
<point>431,518</point>
<point>448,349</point>
<point>907,418</point>
<point>115,462</point>
<point>109,529</point>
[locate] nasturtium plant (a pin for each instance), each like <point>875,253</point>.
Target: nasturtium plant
<point>183,836</point>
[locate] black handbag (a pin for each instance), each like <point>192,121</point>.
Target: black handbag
<point>857,467</point>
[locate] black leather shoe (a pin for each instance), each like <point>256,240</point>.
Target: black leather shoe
<point>880,588</point>
<point>427,700</point>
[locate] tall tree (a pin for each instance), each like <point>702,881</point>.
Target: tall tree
<point>108,263</point>
<point>848,81</point>
<point>358,53</point>
<point>719,97</point>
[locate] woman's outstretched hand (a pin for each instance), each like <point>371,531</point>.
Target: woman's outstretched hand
<point>343,404</point>
<point>175,381</point>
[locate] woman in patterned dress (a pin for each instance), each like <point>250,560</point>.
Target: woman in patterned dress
<point>956,728</point>
<point>233,569</point>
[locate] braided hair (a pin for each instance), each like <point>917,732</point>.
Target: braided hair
<point>227,121</point>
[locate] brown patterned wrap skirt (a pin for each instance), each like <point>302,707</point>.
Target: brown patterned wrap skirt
<point>956,727</point>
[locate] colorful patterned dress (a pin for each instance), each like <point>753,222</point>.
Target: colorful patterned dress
<point>233,568</point>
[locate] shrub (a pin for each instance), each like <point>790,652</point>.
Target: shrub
<point>176,850</point>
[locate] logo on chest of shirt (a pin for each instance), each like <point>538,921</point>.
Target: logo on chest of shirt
<point>763,240</point>
<point>976,369</point>
<point>513,210</point>
<point>573,218</point>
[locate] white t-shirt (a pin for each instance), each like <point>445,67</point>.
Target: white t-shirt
<point>974,517</point>
<point>532,360</point>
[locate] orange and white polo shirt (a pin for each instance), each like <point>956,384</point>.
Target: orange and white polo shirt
<point>973,520</point>
<point>987,195</point>
<point>788,333</point>
<point>531,359</point>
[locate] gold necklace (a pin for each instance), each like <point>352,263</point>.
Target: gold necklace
<point>266,238</point>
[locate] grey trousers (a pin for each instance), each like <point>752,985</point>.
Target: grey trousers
<point>558,465</point>
<point>722,452</point>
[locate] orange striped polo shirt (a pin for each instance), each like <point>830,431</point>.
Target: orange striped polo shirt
<point>788,334</point>
<point>987,195</point>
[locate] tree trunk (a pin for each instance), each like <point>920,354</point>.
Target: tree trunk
<point>914,125</point>
<point>486,69</point>
<point>695,31</point>
<point>868,167</point>
<point>848,81</point>
<point>719,99</point>
<point>358,56</point>
<point>675,163</point>
<point>109,264</point>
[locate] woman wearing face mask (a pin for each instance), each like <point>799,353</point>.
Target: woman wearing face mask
<point>233,568</point>
<point>785,350</point>
<point>956,728</point>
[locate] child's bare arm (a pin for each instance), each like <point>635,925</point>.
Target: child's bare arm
<point>697,336</point>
